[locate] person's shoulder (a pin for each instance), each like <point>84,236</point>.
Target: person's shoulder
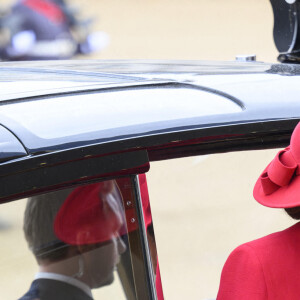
<point>242,276</point>
<point>291,234</point>
<point>32,294</point>
<point>272,243</point>
<point>252,265</point>
<point>243,253</point>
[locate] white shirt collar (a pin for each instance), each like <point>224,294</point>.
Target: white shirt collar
<point>70,280</point>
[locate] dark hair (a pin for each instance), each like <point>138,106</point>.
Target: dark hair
<point>293,212</point>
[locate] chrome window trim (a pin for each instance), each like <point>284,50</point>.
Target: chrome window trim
<point>146,250</point>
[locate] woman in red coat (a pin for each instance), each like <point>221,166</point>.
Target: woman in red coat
<point>269,268</point>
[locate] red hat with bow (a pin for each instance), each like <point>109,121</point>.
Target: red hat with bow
<point>279,184</point>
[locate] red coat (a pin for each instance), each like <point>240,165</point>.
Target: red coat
<point>267,268</point>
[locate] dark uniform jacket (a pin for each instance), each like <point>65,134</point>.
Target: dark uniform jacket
<point>49,289</point>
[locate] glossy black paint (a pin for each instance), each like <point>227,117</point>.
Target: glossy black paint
<point>36,144</point>
<point>32,181</point>
<point>267,94</point>
<point>11,147</point>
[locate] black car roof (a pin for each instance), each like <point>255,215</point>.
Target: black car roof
<point>53,106</point>
<point>76,121</point>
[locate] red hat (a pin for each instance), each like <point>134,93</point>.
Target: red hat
<point>89,215</point>
<point>279,184</point>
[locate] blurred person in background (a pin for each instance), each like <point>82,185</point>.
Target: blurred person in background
<point>46,29</point>
<point>74,236</point>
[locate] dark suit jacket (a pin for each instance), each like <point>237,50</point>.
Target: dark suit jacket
<point>49,289</point>
<point>267,268</point>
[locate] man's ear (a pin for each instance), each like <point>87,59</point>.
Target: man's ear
<point>81,238</point>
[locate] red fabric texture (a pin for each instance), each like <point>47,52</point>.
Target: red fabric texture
<point>88,215</point>
<point>267,268</point>
<point>48,9</point>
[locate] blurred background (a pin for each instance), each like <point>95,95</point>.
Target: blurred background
<point>202,206</point>
<point>176,29</point>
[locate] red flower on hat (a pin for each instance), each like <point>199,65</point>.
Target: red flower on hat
<point>279,184</point>
<point>279,172</point>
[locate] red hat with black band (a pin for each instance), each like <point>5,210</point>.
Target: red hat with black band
<point>279,184</point>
